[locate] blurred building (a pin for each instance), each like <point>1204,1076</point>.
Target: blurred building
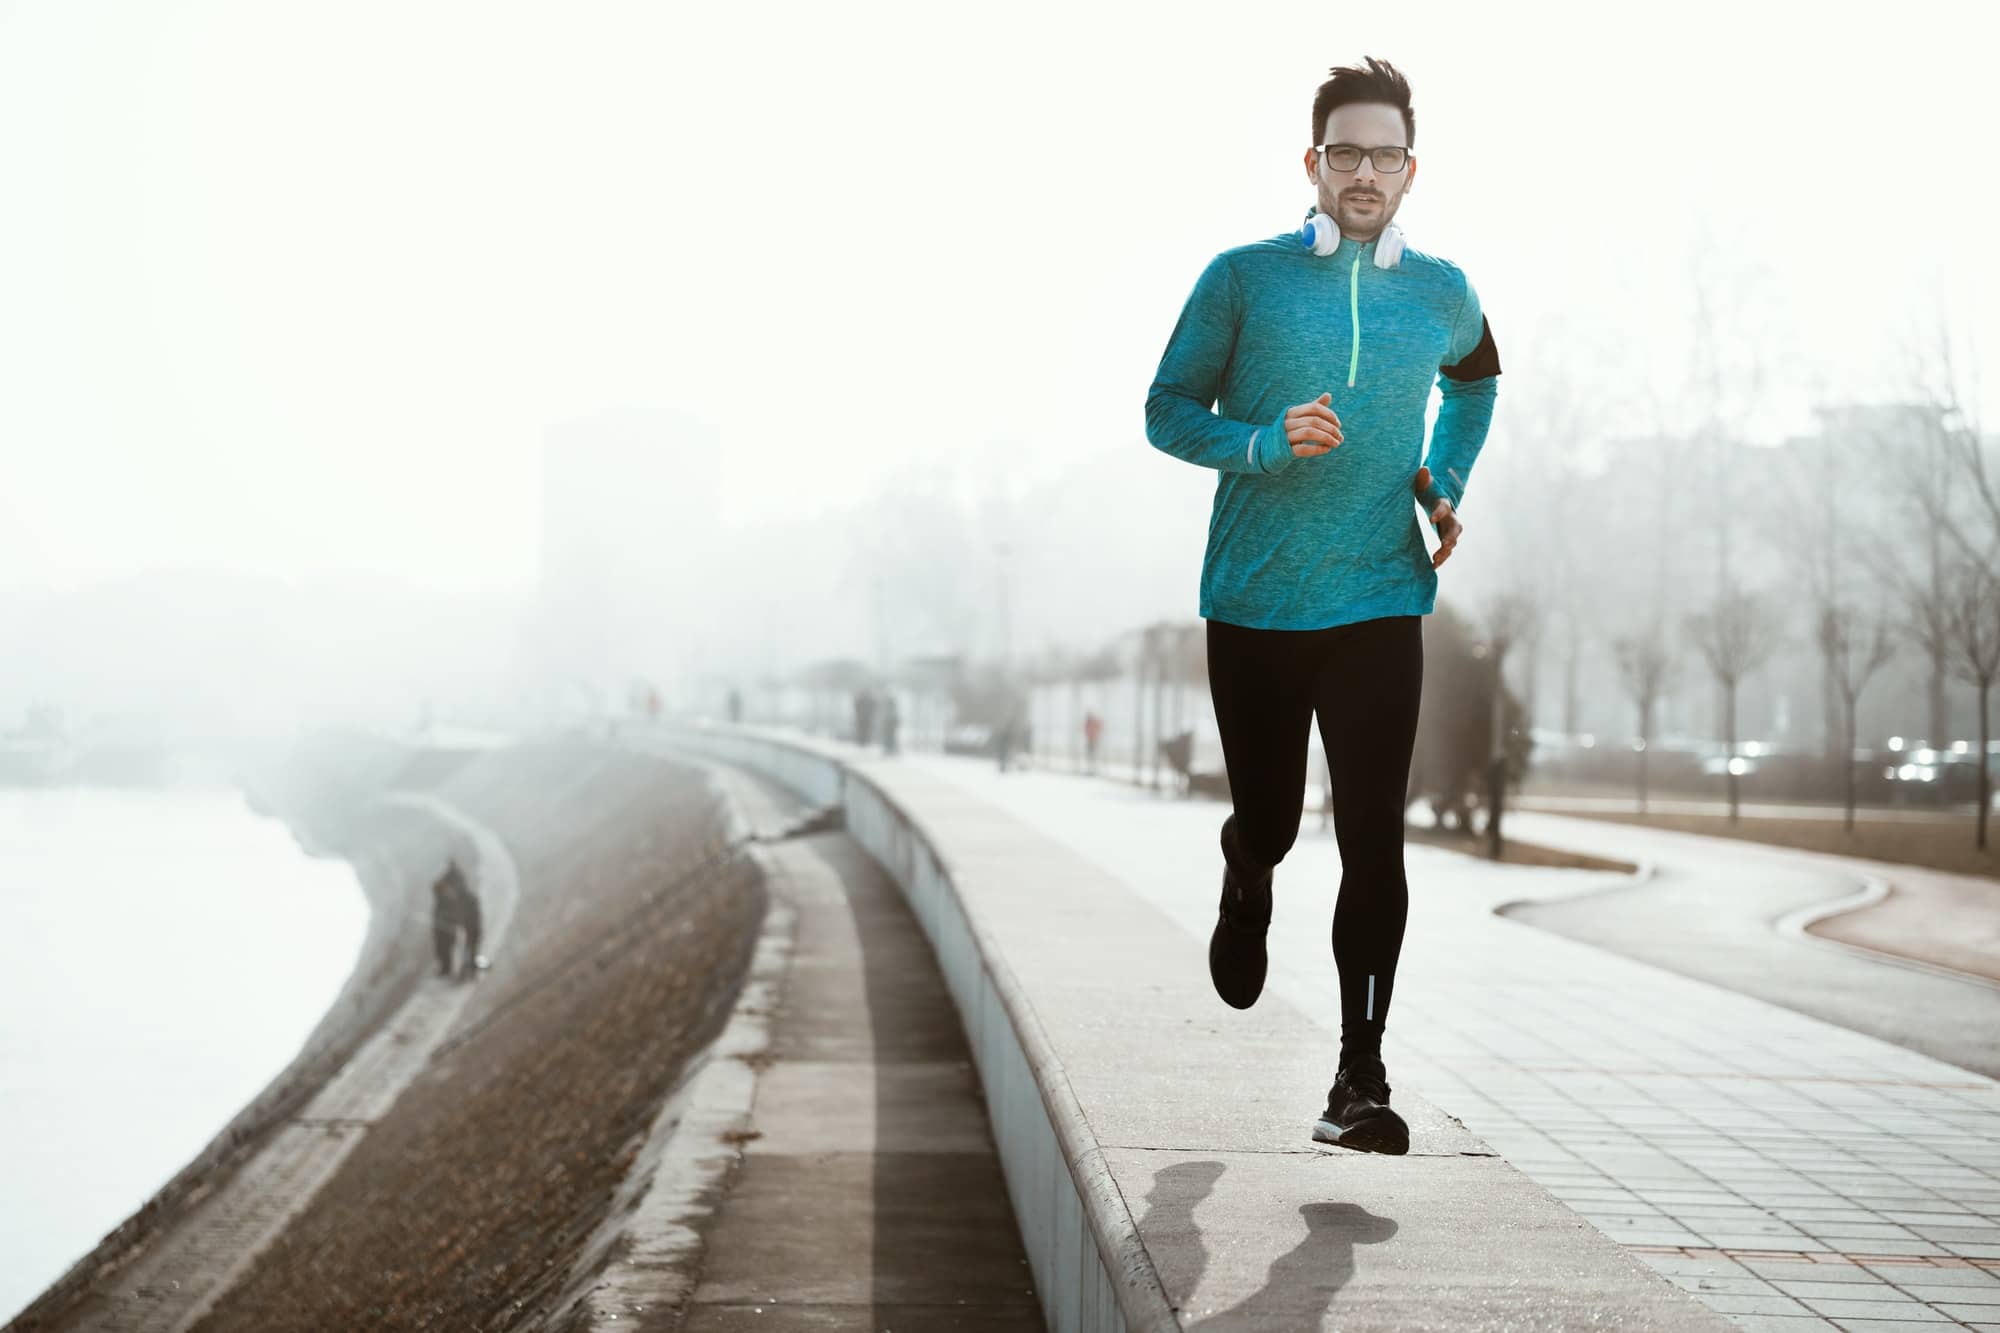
<point>629,552</point>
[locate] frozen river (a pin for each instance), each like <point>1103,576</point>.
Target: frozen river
<point>162,955</point>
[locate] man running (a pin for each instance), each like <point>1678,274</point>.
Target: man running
<point>1321,348</point>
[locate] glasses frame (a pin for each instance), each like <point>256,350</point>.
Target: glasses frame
<point>1369,153</point>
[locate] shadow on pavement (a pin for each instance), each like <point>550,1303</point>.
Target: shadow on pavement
<point>1300,1287</point>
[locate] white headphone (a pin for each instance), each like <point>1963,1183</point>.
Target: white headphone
<point>1322,233</point>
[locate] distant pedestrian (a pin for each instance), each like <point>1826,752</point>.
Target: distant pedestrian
<point>735,705</point>
<point>892,719</point>
<point>1015,738</point>
<point>455,912</point>
<point>1093,731</point>
<point>864,717</point>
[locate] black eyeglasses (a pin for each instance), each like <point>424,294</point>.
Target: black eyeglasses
<point>1388,159</point>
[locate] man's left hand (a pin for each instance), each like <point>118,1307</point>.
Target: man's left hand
<point>1442,518</point>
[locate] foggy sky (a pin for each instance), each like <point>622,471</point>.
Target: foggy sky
<point>290,295</point>
<point>295,288</point>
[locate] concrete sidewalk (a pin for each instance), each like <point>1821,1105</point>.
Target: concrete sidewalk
<point>829,1165</point>
<point>868,1195</point>
<point>1756,1155</point>
<point>1197,1118</point>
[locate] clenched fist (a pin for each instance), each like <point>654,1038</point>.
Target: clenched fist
<point>1311,428</point>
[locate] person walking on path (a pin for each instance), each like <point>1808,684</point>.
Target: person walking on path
<point>455,911</point>
<point>1317,350</point>
<point>892,721</point>
<point>864,717</point>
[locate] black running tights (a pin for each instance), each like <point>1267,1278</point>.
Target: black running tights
<point>1363,681</point>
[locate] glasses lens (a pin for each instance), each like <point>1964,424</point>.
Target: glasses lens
<point>1390,159</point>
<point>1343,158</point>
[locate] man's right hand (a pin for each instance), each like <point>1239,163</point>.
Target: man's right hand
<point>1311,428</point>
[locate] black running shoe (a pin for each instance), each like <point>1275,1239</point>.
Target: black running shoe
<point>1358,1115</point>
<point>1236,961</point>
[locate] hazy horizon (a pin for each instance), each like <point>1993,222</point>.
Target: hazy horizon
<point>299,294</point>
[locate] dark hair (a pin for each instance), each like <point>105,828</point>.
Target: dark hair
<point>1377,81</point>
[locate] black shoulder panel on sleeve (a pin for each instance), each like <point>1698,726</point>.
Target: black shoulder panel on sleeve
<point>1482,361</point>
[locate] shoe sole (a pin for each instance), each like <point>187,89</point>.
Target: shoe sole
<point>1218,960</point>
<point>1375,1134</point>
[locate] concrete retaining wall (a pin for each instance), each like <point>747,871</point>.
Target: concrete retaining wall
<point>1091,1271</point>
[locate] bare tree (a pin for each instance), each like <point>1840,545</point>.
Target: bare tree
<point>1958,497</point>
<point>1728,371</point>
<point>1975,635</point>
<point>1854,645</point>
<point>1919,442</point>
<point>1924,594</point>
<point>1553,427</point>
<point>1644,660</point>
<point>1820,552</point>
<point>1955,395</point>
<point>1510,620</point>
<point>1736,635</point>
<point>1161,665</point>
<point>1142,667</point>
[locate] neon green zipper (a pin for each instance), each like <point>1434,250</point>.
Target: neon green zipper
<point>1354,304</point>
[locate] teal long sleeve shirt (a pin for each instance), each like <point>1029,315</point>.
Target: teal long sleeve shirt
<point>1309,543</point>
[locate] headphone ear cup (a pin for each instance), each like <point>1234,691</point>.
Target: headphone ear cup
<point>1389,247</point>
<point>1322,234</point>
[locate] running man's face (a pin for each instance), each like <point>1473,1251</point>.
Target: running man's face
<point>1362,201</point>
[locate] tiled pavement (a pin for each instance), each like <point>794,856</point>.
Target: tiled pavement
<point>1794,1174</point>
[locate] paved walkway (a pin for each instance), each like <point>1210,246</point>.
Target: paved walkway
<point>1197,1117</point>
<point>1793,1174</point>
<point>832,1166</point>
<point>1726,911</point>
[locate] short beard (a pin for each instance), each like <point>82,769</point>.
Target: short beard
<point>1381,218</point>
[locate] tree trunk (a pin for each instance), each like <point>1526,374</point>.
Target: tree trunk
<point>1729,730</point>
<point>1847,757</point>
<point>1939,737</point>
<point>1645,747</point>
<point>1496,757</point>
<point>1075,708</point>
<point>1985,768</point>
<point>1569,685</point>
<point>1153,750</point>
<point>1138,718</point>
<point>1496,781</point>
<point>1531,677</point>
